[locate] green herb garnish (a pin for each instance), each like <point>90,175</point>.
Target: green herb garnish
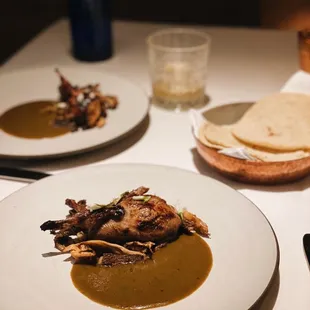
<point>113,203</point>
<point>142,198</point>
<point>118,199</point>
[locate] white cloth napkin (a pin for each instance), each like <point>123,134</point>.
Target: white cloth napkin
<point>299,82</point>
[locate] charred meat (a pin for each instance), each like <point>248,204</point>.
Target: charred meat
<point>128,229</point>
<point>81,107</point>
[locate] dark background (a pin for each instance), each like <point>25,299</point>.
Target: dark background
<point>21,20</point>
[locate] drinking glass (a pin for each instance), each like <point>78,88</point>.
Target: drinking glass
<point>178,61</point>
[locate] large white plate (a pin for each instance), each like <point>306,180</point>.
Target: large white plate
<point>42,83</point>
<point>243,244</point>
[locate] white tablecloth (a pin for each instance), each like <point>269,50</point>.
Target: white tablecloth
<point>245,64</point>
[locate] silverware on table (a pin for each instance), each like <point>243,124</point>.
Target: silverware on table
<point>21,175</point>
<point>306,242</point>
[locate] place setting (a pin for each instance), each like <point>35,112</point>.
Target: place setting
<point>99,228</point>
<point>65,111</point>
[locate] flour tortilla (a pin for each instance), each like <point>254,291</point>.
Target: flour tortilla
<point>278,122</point>
<point>222,137</point>
<point>202,138</point>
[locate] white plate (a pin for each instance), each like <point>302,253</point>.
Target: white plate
<point>42,83</point>
<point>243,244</point>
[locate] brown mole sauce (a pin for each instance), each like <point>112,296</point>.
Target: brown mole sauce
<point>175,272</point>
<point>29,121</point>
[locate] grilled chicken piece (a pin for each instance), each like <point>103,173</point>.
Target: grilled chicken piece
<point>101,122</point>
<point>79,206</point>
<point>153,220</point>
<point>85,107</point>
<point>140,222</point>
<point>93,113</point>
<point>192,224</point>
<point>66,90</point>
<point>109,102</point>
<point>81,224</point>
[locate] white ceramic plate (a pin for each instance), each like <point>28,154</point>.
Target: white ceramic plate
<point>243,244</point>
<point>42,83</point>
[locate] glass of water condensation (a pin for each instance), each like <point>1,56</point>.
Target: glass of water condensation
<point>178,61</point>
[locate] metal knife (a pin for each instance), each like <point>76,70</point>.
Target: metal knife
<point>306,242</point>
<point>21,175</point>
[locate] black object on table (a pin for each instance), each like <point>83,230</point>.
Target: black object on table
<point>22,175</point>
<point>91,29</point>
<point>306,242</point>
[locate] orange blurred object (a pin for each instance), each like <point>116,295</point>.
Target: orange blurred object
<point>290,14</point>
<point>304,49</point>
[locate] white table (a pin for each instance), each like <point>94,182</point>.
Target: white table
<point>245,64</point>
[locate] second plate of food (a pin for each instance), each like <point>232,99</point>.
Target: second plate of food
<point>50,112</point>
<point>131,236</point>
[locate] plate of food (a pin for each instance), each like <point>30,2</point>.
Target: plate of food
<point>262,142</point>
<point>49,112</point>
<point>119,237</point>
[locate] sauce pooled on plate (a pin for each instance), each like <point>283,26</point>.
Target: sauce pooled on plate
<point>175,272</point>
<point>29,121</point>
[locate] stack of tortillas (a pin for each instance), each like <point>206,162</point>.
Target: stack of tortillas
<point>275,128</point>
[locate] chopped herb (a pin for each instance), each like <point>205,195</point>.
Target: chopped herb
<point>113,203</point>
<point>118,199</point>
<point>142,198</point>
<point>147,198</point>
<point>180,214</point>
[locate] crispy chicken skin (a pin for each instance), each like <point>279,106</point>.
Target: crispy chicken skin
<point>153,220</point>
<point>81,107</point>
<point>137,222</point>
